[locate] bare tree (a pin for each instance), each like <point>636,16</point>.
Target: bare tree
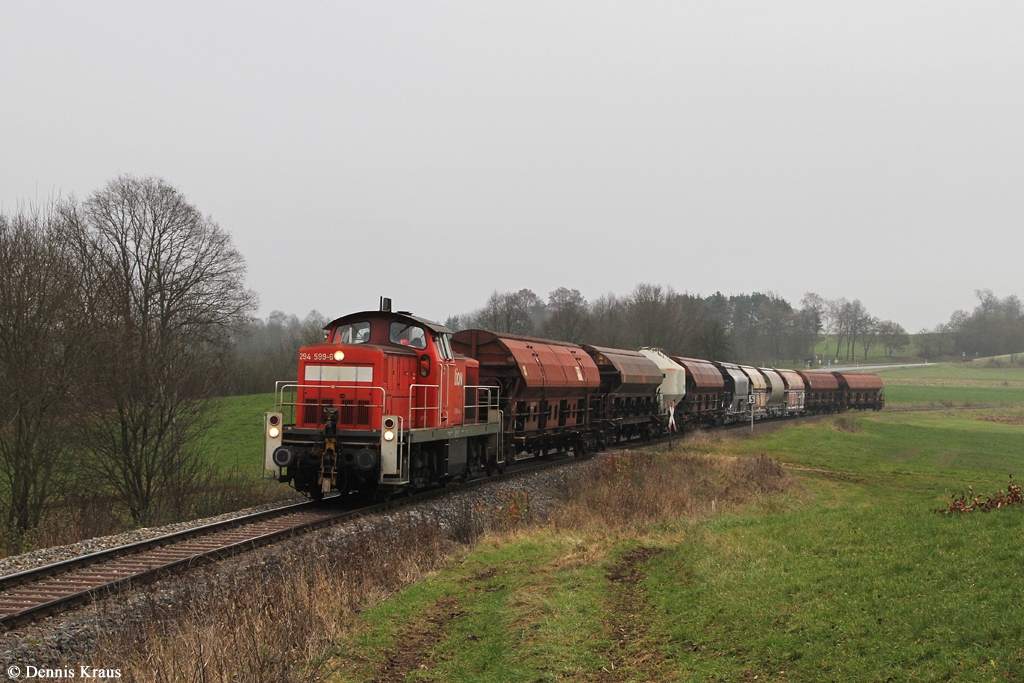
<point>996,326</point>
<point>893,336</point>
<point>803,334</point>
<point>935,342</point>
<point>654,318</point>
<point>568,316</point>
<point>170,288</point>
<point>711,341</point>
<point>870,331</point>
<point>774,323</point>
<point>838,320</point>
<point>41,330</point>
<point>815,310</point>
<point>266,351</point>
<point>608,316</point>
<point>857,319</point>
<point>509,312</point>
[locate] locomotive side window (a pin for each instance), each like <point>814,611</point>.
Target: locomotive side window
<point>354,333</point>
<point>445,347</point>
<point>408,335</point>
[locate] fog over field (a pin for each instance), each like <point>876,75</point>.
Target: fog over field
<point>435,152</point>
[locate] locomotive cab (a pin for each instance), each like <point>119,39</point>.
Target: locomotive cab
<point>379,404</point>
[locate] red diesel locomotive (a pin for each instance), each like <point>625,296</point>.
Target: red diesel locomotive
<point>390,401</point>
<point>382,404</point>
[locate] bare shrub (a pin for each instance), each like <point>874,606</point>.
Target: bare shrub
<point>74,518</point>
<point>640,489</point>
<point>761,474</point>
<point>511,509</point>
<point>215,492</point>
<point>465,524</point>
<point>845,423</point>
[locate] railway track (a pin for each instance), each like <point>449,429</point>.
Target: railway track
<point>42,591</point>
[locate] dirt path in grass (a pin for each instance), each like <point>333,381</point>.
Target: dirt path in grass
<point>632,655</point>
<point>1005,419</point>
<point>412,652</point>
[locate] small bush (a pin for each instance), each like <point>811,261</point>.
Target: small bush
<point>512,508</point>
<point>845,423</point>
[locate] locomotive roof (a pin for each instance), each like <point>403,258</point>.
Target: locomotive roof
<point>430,324</point>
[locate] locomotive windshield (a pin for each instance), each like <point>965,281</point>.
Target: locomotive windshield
<point>354,333</point>
<point>408,335</point>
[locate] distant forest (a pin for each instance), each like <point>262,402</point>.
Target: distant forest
<point>758,328</point>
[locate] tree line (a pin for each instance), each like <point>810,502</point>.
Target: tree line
<point>995,327</point>
<point>116,317</point>
<point>760,328</point>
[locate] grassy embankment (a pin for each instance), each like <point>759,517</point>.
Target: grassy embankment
<point>705,564</point>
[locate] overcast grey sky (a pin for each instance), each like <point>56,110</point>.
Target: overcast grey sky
<point>435,151</point>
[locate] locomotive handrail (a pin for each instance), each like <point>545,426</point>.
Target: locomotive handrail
<point>491,404</point>
<point>424,407</point>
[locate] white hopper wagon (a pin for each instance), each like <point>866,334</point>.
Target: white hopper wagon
<point>673,384</point>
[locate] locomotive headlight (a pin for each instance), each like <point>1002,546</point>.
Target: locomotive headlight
<point>339,355</point>
<point>274,432</point>
<point>389,435</point>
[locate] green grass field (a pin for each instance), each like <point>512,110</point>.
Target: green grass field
<point>235,439</point>
<point>848,575</point>
<point>953,383</point>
